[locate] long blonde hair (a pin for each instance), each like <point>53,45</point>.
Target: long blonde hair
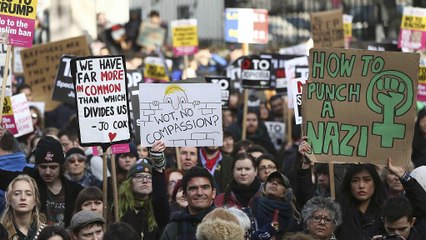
<point>7,218</point>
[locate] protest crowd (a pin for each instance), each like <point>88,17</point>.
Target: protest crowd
<point>212,144</point>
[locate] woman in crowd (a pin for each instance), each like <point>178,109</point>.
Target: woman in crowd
<point>90,198</point>
<point>54,233</point>
<point>244,185</point>
<point>361,197</point>
<point>266,164</point>
<point>275,209</point>
<point>321,216</point>
<point>178,202</point>
<point>22,218</point>
<point>124,161</point>
<point>173,175</point>
<point>77,169</point>
<point>143,201</point>
<point>418,155</point>
<point>228,143</point>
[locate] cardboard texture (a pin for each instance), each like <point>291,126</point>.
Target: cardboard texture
<point>41,64</point>
<point>327,28</point>
<point>359,106</point>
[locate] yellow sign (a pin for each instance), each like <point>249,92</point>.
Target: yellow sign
<point>413,23</point>
<point>185,36</point>
<point>19,8</point>
<point>155,72</point>
<point>422,74</point>
<point>347,30</point>
<point>7,106</point>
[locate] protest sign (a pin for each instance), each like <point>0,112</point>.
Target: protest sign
<point>135,78</point>
<point>63,90</point>
<point>246,25</point>
<point>101,97</point>
<point>16,115</point>
<point>347,29</point>
<point>233,71</point>
<point>359,106</point>
<point>421,91</point>
<point>413,29</point>
<point>155,71</point>
<point>276,131</point>
<point>181,114</point>
<point>296,95</point>
<point>150,35</point>
<point>3,52</point>
<point>17,18</point>
<point>225,86</point>
<point>185,37</point>
<point>290,73</point>
<point>327,28</point>
<point>256,73</point>
<point>17,63</point>
<point>41,64</point>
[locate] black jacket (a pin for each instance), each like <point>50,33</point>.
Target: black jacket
<point>71,190</point>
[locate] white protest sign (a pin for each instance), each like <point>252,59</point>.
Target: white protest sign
<point>290,72</point>
<point>22,114</point>
<point>276,131</point>
<point>296,96</point>
<point>181,114</point>
<point>101,95</point>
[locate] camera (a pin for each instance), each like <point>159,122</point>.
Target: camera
<point>392,236</point>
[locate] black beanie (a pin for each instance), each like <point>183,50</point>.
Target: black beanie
<point>49,150</point>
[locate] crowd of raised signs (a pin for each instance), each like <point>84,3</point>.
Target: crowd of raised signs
<point>252,188</point>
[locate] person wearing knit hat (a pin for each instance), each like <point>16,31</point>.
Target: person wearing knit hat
<point>143,201</point>
<point>87,225</point>
<point>56,192</point>
<point>124,161</point>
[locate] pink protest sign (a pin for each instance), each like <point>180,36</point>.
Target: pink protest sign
<point>17,18</point>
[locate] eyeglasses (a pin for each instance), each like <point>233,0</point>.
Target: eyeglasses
<point>318,219</point>
<point>141,177</point>
<point>269,167</point>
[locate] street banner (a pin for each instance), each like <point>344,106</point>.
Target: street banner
<point>296,95</point>
<point>327,28</point>
<point>16,115</point>
<point>276,131</point>
<point>359,106</point>
<point>256,73</point>
<point>185,37</point>
<point>150,35</point>
<point>155,71</point>
<point>17,18</point>
<point>412,35</point>
<point>246,25</point>
<point>135,78</point>
<point>63,89</point>
<point>181,114</point>
<point>41,64</point>
<point>225,87</point>
<point>101,99</point>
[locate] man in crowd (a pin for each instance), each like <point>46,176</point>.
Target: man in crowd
<point>198,189</point>
<point>57,193</point>
<point>188,157</point>
<point>219,165</point>
<point>87,225</point>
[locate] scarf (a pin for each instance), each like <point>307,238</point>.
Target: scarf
<point>210,164</point>
<point>245,193</point>
<point>187,223</point>
<point>264,212</point>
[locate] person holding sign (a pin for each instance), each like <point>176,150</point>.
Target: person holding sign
<point>143,201</point>
<point>275,209</point>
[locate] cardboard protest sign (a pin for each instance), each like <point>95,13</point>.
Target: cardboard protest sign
<point>256,73</point>
<point>101,97</point>
<point>276,131</point>
<point>246,25</point>
<point>181,114</point>
<point>327,28</point>
<point>296,95</point>
<point>134,79</point>
<point>150,35</point>
<point>413,29</point>
<point>155,71</point>
<point>63,90</point>
<point>185,37</point>
<point>225,86</point>
<point>41,64</point>
<point>16,115</point>
<point>17,18</point>
<point>3,52</point>
<point>359,106</point>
